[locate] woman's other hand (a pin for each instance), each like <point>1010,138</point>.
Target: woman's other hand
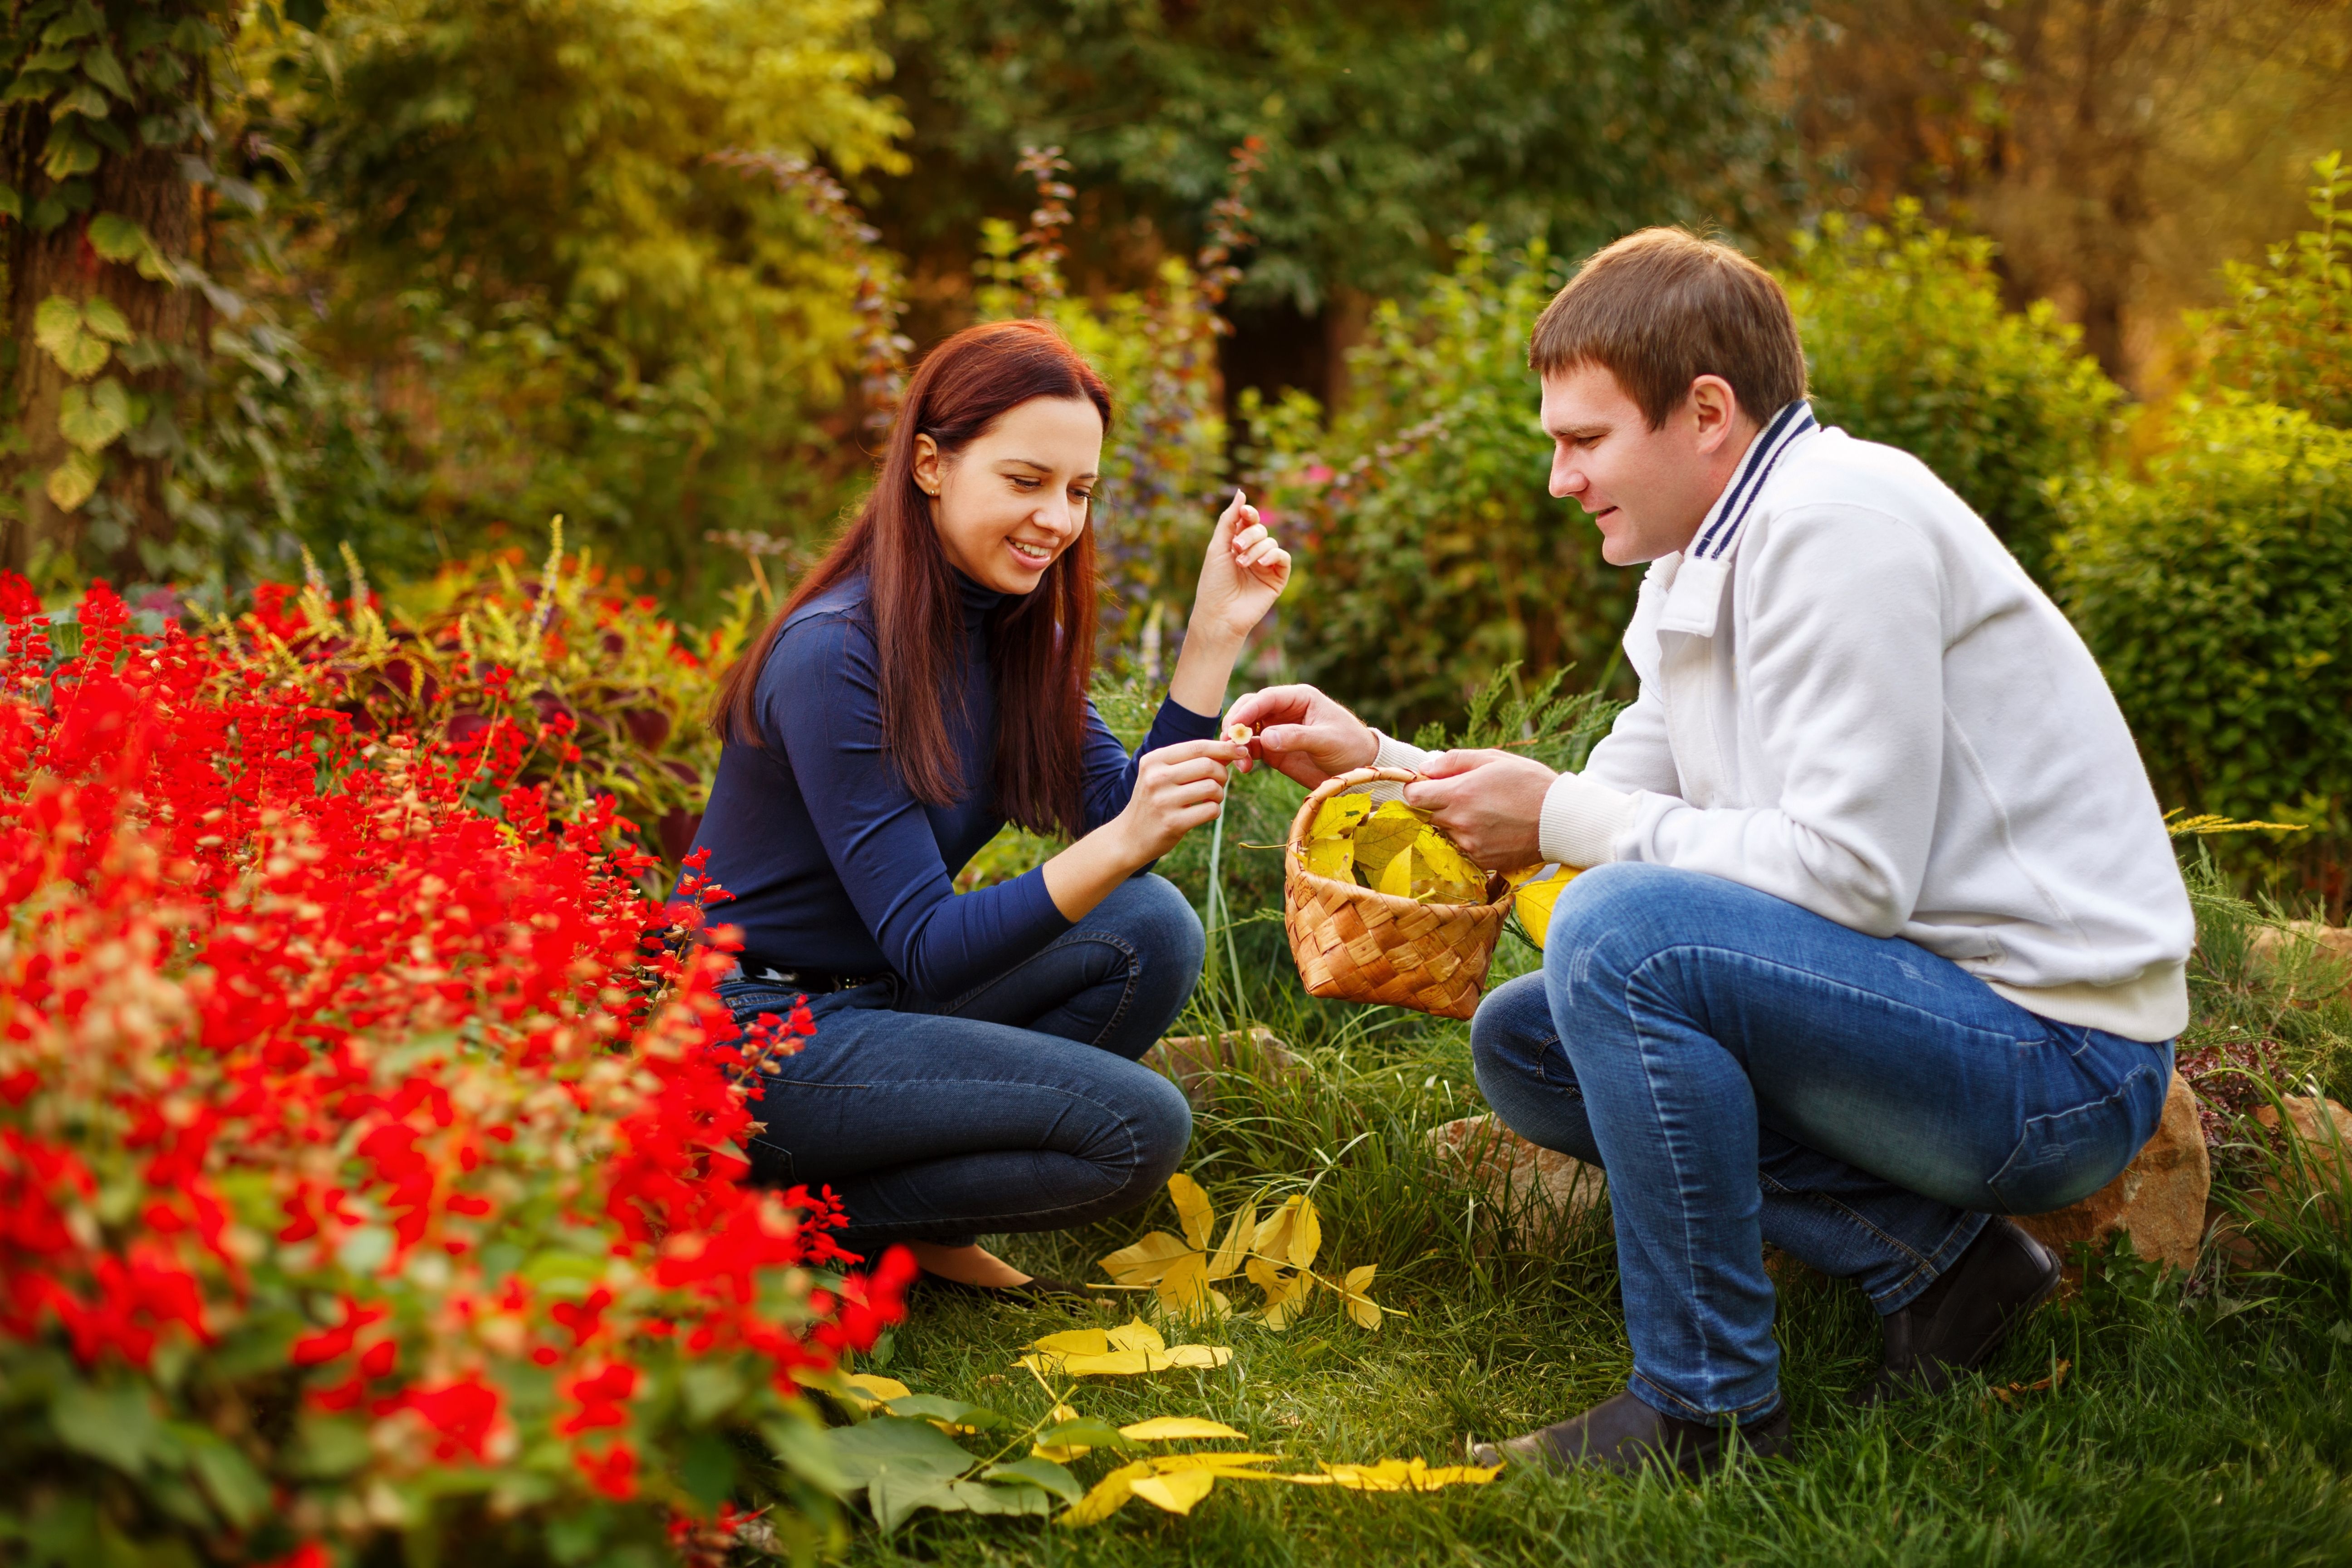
<point>1242,576</point>
<point>1177,789</point>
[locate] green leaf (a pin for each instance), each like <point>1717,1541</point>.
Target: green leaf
<point>80,22</point>
<point>237,1489</point>
<point>11,204</point>
<point>708,1470</point>
<point>891,1445</point>
<point>99,64</point>
<point>32,86</point>
<point>67,156</point>
<point>954,1412</point>
<point>83,99</point>
<point>92,418</point>
<point>104,318</point>
<point>806,1449</point>
<point>116,1424</point>
<point>75,480</point>
<point>1083,1432</point>
<point>326,1447</point>
<point>708,1387</point>
<point>1036,1472</point>
<point>47,213</point>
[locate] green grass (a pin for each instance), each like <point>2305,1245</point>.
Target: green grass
<point>2209,1425</point>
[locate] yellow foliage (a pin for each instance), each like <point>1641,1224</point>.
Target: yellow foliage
<point>1537,890</point>
<point>1392,850</point>
<point>1276,1253</point>
<point>1116,1353</point>
<point>1168,1428</point>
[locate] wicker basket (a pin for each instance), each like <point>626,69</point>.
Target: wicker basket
<point>1358,945</point>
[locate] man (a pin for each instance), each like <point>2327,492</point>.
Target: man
<point>1883,937</point>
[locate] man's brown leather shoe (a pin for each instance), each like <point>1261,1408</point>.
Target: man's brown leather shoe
<point>1623,1435</point>
<point>1952,1327</point>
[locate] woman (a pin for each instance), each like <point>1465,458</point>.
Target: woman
<point>974,1064</point>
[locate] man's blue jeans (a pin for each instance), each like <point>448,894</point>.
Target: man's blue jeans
<point>1017,1106</point>
<point>1747,1071</point>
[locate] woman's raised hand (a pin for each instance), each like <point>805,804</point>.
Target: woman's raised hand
<point>1242,575</point>
<point>1177,789</point>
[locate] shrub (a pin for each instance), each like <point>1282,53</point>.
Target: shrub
<point>601,694</point>
<point>2285,336</point>
<point>366,1187</point>
<point>1430,551</point>
<point>2217,593</point>
<point>1910,344</point>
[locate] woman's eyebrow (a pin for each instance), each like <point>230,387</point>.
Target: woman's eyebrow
<point>1048,468</point>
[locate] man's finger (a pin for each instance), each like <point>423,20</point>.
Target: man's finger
<point>1274,705</point>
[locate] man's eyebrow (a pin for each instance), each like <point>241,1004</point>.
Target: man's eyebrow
<point>1046,467</point>
<point>1581,432</point>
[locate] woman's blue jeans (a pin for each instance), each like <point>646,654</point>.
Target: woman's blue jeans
<point>1016,1106</point>
<point>1747,1071</point>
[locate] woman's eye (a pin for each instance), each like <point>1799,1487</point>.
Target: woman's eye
<point>1021,484</point>
<point>1082,497</point>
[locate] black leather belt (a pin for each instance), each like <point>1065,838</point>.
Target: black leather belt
<point>801,977</point>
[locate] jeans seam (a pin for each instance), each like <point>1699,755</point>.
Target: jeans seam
<point>1706,1355</point>
<point>1132,1153</point>
<point>1068,939</point>
<point>1849,988</point>
<point>1652,1393</point>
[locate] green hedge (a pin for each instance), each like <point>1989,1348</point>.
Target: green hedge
<point>1910,343</point>
<point>2217,593</point>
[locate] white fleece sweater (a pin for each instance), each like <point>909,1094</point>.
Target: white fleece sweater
<point>1854,698</point>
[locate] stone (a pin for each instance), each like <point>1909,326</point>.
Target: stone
<point>1541,1192</point>
<point>2158,1200</point>
<point>1195,1062</point>
<point>2322,1140</point>
<point>2332,946</point>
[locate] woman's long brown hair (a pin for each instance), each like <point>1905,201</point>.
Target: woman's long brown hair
<point>1041,645</point>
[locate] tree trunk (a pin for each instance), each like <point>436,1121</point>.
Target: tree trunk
<point>147,187</point>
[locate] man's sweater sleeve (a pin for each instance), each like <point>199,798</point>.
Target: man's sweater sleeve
<point>1845,665</point>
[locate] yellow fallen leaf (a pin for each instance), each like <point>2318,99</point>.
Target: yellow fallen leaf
<point>1075,1341</point>
<point>1236,1246</point>
<point>1176,1493</point>
<point>1129,1363</point>
<point>1146,1260</point>
<point>1441,874</point>
<point>1398,1476</point>
<point>1397,880</point>
<point>1387,833</point>
<point>1168,1428</point>
<point>1331,843</point>
<point>1134,1334</point>
<point>1109,1496</point>
<point>1286,1295</point>
<point>1192,1208</point>
<point>869,1390</point>
<point>1306,1233</point>
<point>1538,891</point>
<point>1361,1306</point>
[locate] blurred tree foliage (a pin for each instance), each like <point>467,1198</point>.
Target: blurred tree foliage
<point>2217,593</point>
<point>1388,127</point>
<point>1431,551</point>
<point>508,216</point>
<point>2285,335</point>
<point>2117,150</point>
<point>1910,344</point>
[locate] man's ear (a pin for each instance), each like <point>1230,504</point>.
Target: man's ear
<point>1714,411</point>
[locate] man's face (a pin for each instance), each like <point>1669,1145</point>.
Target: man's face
<point>1647,490</point>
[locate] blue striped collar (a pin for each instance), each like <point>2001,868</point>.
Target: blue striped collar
<point>1721,530</point>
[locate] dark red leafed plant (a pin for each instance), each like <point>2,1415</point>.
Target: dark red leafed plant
<point>364,1169</point>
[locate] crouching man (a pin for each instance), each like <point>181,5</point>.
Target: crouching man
<point>1883,937</point>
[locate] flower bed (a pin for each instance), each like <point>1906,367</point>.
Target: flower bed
<point>365,1171</point>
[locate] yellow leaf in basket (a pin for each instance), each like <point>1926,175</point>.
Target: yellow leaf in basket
<point>1538,892</point>
<point>1397,880</point>
<point>1331,843</point>
<point>1387,833</point>
<point>1441,874</point>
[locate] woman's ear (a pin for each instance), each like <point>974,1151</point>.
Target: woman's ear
<point>930,469</point>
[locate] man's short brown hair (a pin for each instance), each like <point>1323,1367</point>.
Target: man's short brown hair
<point>1660,309</point>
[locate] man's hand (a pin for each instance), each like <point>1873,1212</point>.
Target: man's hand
<point>1304,734</point>
<point>1488,801</point>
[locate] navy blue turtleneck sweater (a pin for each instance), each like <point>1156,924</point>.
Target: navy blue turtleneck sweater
<point>833,863</point>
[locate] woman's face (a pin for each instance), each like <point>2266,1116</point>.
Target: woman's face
<point>1016,497</point>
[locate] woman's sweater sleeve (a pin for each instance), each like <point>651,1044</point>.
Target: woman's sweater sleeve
<point>1109,770</point>
<point>820,701</point>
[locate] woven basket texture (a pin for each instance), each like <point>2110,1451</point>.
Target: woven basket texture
<point>1353,944</point>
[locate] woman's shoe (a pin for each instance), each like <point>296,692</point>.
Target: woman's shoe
<point>1039,1290</point>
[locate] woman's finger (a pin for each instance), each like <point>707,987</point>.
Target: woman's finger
<point>1190,769</point>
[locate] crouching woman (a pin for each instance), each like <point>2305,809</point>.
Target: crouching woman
<point>974,1064</point>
